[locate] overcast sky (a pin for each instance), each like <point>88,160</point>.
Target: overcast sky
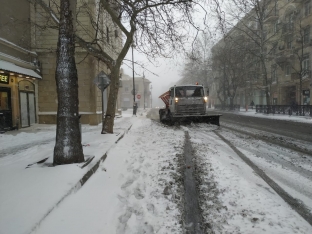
<point>167,72</point>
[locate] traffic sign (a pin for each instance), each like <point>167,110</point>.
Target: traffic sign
<point>138,96</point>
<point>102,81</point>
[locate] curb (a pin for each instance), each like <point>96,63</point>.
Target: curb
<point>81,182</point>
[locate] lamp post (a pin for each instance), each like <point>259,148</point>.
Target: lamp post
<point>133,75</point>
<point>143,92</point>
<point>134,104</point>
<point>151,97</point>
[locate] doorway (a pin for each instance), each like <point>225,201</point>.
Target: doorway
<point>27,103</point>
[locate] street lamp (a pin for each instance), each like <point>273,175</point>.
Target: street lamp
<point>133,75</point>
<point>151,97</point>
<point>143,92</point>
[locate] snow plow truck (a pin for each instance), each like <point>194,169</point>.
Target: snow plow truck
<point>186,103</point>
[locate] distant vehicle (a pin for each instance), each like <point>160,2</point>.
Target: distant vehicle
<point>186,103</point>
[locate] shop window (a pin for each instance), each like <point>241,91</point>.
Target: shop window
<point>4,102</point>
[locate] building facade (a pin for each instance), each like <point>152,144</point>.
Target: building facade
<point>28,43</point>
<point>20,73</point>
<point>142,92</point>
<point>44,41</point>
<point>277,60</point>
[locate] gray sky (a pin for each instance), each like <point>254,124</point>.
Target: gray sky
<point>168,71</point>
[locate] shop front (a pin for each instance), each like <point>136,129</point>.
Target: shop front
<point>18,93</point>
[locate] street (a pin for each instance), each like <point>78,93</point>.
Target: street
<point>198,178</point>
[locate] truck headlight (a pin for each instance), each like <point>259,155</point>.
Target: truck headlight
<point>205,99</point>
<point>176,99</point>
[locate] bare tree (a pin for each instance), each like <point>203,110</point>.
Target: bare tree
<point>62,16</point>
<point>229,65</point>
<point>155,27</point>
<point>249,20</point>
<point>68,148</point>
<point>197,67</point>
<point>296,44</point>
<point>158,26</point>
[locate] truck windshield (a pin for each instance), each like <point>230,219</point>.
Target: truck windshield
<point>189,91</point>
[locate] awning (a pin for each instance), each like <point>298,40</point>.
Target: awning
<point>11,67</point>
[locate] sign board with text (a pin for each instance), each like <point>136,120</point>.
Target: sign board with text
<point>4,78</point>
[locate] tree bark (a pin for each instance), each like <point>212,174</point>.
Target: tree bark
<point>68,148</point>
<point>108,123</point>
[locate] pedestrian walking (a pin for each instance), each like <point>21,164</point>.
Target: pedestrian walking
<point>135,107</point>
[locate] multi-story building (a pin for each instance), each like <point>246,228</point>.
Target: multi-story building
<point>278,47</point>
<point>28,43</point>
<point>19,70</point>
<point>142,92</point>
<point>94,26</point>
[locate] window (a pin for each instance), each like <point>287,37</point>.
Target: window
<point>307,8</point>
<point>287,70</point>
<point>273,50</point>
<point>289,43</point>
<point>273,74</point>
<point>275,27</point>
<point>306,35</point>
<point>306,62</point>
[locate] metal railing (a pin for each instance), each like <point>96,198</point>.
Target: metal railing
<point>299,110</point>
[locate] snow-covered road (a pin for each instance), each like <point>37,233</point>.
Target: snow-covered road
<point>236,200</point>
<point>139,187</point>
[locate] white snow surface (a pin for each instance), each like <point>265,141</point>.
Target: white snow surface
<point>126,193</point>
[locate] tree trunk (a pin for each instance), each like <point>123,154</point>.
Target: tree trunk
<point>68,148</point>
<point>108,125</point>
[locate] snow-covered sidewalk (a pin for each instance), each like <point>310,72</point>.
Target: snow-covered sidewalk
<point>27,196</point>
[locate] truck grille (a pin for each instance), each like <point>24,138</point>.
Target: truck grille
<point>190,109</point>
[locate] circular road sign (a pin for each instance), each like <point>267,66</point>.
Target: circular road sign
<point>138,96</point>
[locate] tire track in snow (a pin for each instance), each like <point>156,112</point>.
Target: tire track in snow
<point>298,206</point>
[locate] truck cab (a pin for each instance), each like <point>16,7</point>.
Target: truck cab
<point>187,100</point>
<point>186,103</point>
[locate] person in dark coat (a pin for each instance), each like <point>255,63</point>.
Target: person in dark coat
<point>252,104</point>
<point>135,107</point>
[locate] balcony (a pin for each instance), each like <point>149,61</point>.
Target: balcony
<point>306,74</point>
